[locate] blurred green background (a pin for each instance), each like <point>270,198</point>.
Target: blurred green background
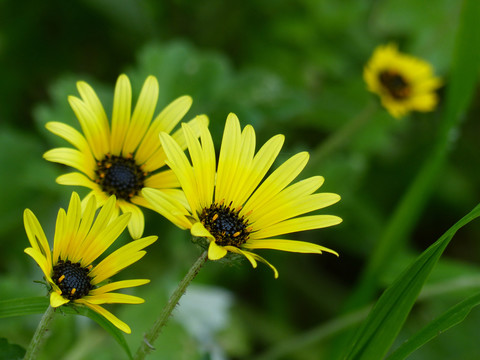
<point>291,67</point>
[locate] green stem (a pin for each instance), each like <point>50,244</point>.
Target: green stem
<point>342,135</point>
<point>147,344</point>
<point>39,336</point>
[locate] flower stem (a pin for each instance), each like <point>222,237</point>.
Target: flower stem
<point>147,344</point>
<point>39,336</point>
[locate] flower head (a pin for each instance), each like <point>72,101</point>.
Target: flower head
<point>79,241</point>
<point>230,205</point>
<point>125,156</point>
<point>403,82</point>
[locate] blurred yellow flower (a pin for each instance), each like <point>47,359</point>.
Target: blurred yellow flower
<point>125,157</point>
<point>78,242</point>
<point>403,82</point>
<point>230,205</point>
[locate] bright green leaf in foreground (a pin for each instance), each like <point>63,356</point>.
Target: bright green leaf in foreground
<point>450,318</point>
<point>391,310</point>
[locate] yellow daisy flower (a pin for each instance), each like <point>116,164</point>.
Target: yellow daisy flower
<point>403,82</point>
<point>230,206</point>
<point>125,157</point>
<point>78,242</point>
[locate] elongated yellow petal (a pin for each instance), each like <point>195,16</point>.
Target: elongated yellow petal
<point>122,284</point>
<point>40,260</point>
<point>163,180</point>
<point>179,163</point>
<point>168,207</point>
<point>136,224</point>
<point>35,235</point>
<point>277,181</point>
<point>298,224</point>
<point>77,179</point>
<point>122,109</point>
<point>72,221</point>
<point>295,207</point>
<point>60,239</point>
<point>94,130</point>
<point>164,122</point>
<point>259,258</point>
<point>57,300</point>
<point>105,238</point>
<point>120,259</point>
<point>244,253</point>
<point>243,170</point>
<point>113,298</point>
<point>73,137</point>
<point>86,221</point>
<point>107,315</point>
<point>72,158</point>
<point>287,245</point>
<point>228,158</point>
<point>216,252</point>
<point>142,115</point>
<point>199,230</point>
<point>92,101</point>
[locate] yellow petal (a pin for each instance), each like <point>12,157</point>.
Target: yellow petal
<point>277,181</point>
<point>136,225</point>
<point>122,284</point>
<point>71,157</point>
<point>77,179</point>
<point>122,109</point>
<point>288,245</point>
<point>297,224</point>
<point>40,260</point>
<point>199,230</point>
<point>142,115</point>
<point>120,259</point>
<point>216,252</point>
<point>107,315</point>
<point>57,300</point>
<point>113,298</point>
<point>35,235</point>
<point>168,206</point>
<point>259,258</point>
<point>164,122</point>
<point>244,253</point>
<point>163,180</point>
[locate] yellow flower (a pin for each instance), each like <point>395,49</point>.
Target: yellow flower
<point>78,242</point>
<point>230,206</point>
<point>403,82</point>
<point>125,157</point>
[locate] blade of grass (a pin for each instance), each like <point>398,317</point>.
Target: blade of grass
<point>450,318</point>
<point>390,312</point>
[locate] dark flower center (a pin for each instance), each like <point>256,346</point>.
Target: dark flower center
<point>225,225</point>
<point>120,176</point>
<point>72,279</point>
<point>395,84</point>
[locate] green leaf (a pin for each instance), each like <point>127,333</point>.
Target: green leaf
<point>24,306</point>
<point>450,318</point>
<point>390,312</point>
<point>10,351</point>
<point>38,305</point>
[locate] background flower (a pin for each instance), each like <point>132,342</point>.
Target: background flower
<point>403,82</point>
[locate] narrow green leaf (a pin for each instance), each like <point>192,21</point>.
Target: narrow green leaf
<point>38,305</point>
<point>23,306</point>
<point>390,312</point>
<point>450,318</point>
